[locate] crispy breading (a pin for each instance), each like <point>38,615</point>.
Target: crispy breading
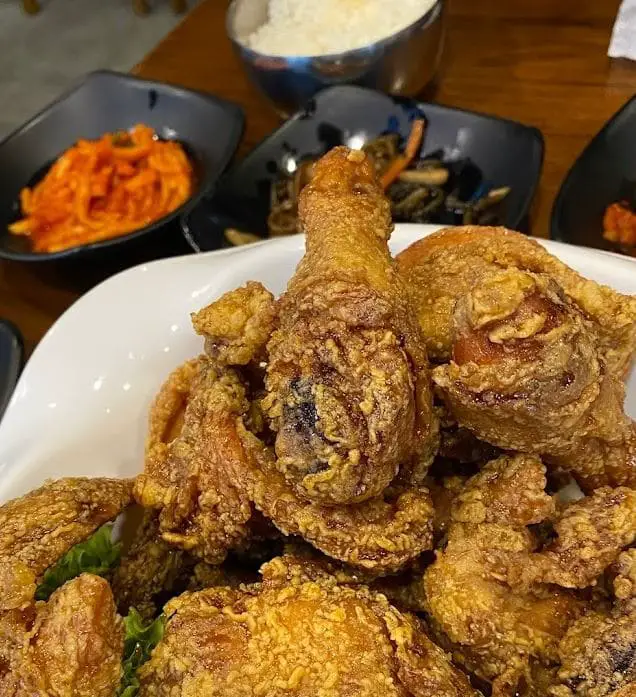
<point>75,646</point>
<point>598,654</point>
<point>590,536</point>
<point>381,534</point>
<point>495,630</point>
<point>148,568</point>
<point>188,479</point>
<point>238,325</point>
<point>296,635</point>
<point>444,266</point>
<point>526,374</point>
<point>348,387</point>
<point>40,527</point>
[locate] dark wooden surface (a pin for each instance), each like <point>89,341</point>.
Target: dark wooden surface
<point>537,61</point>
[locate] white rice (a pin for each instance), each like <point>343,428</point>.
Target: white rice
<point>321,27</point>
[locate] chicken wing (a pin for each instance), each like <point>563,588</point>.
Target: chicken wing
<point>444,266</point>
<point>296,634</point>
<point>493,629</point>
<point>37,529</point>
<point>348,385</point>
<point>186,474</point>
<point>598,654</point>
<point>187,478</point>
<point>526,375</point>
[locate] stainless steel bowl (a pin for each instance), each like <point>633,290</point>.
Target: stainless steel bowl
<point>401,64</point>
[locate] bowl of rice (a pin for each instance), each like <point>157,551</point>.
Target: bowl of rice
<point>292,49</point>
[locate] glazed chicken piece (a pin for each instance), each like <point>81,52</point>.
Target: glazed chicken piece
<point>526,374</point>
<point>348,385</point>
<point>496,631</point>
<point>298,633</point>
<point>442,267</point>
<point>598,654</point>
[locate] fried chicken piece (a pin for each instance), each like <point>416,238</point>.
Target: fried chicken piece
<point>526,375</point>
<point>296,634</point>
<point>380,535</point>
<point>493,629</point>
<point>442,267</point>
<point>238,325</point>
<point>187,479</point>
<point>150,567</point>
<point>17,613</point>
<point>348,384</point>
<point>598,654</point>
<point>590,536</point>
<point>75,646</point>
<point>40,527</point>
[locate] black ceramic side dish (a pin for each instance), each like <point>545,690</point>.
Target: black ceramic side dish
<point>209,129</point>
<point>10,361</point>
<point>605,172</point>
<point>499,152</point>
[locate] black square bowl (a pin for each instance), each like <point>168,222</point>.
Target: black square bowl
<point>507,154</point>
<point>604,173</point>
<point>208,128</point>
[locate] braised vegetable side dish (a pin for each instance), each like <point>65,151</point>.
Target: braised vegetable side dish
<point>356,489</point>
<point>421,188</point>
<point>105,188</point>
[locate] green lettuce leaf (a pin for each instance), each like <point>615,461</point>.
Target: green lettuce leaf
<point>138,645</point>
<point>98,555</point>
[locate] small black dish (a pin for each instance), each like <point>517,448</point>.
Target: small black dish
<point>604,173</point>
<point>209,129</point>
<point>504,153</point>
<point>11,350</point>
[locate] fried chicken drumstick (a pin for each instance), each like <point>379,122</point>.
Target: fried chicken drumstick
<point>297,634</point>
<point>347,380</point>
<point>526,374</point>
<point>442,267</point>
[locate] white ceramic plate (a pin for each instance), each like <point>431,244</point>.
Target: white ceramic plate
<point>81,405</point>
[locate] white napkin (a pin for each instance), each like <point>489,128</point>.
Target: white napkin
<point>623,43</point>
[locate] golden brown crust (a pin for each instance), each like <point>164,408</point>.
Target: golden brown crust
<point>380,535</point>
<point>75,646</point>
<point>598,654</point>
<point>440,268</point>
<point>495,630</point>
<point>40,527</point>
<point>590,536</point>
<point>526,376</point>
<point>149,567</point>
<point>348,386</point>
<point>237,326</point>
<point>187,479</point>
<point>298,637</point>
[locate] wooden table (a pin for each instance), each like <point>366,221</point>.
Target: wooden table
<point>537,61</point>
